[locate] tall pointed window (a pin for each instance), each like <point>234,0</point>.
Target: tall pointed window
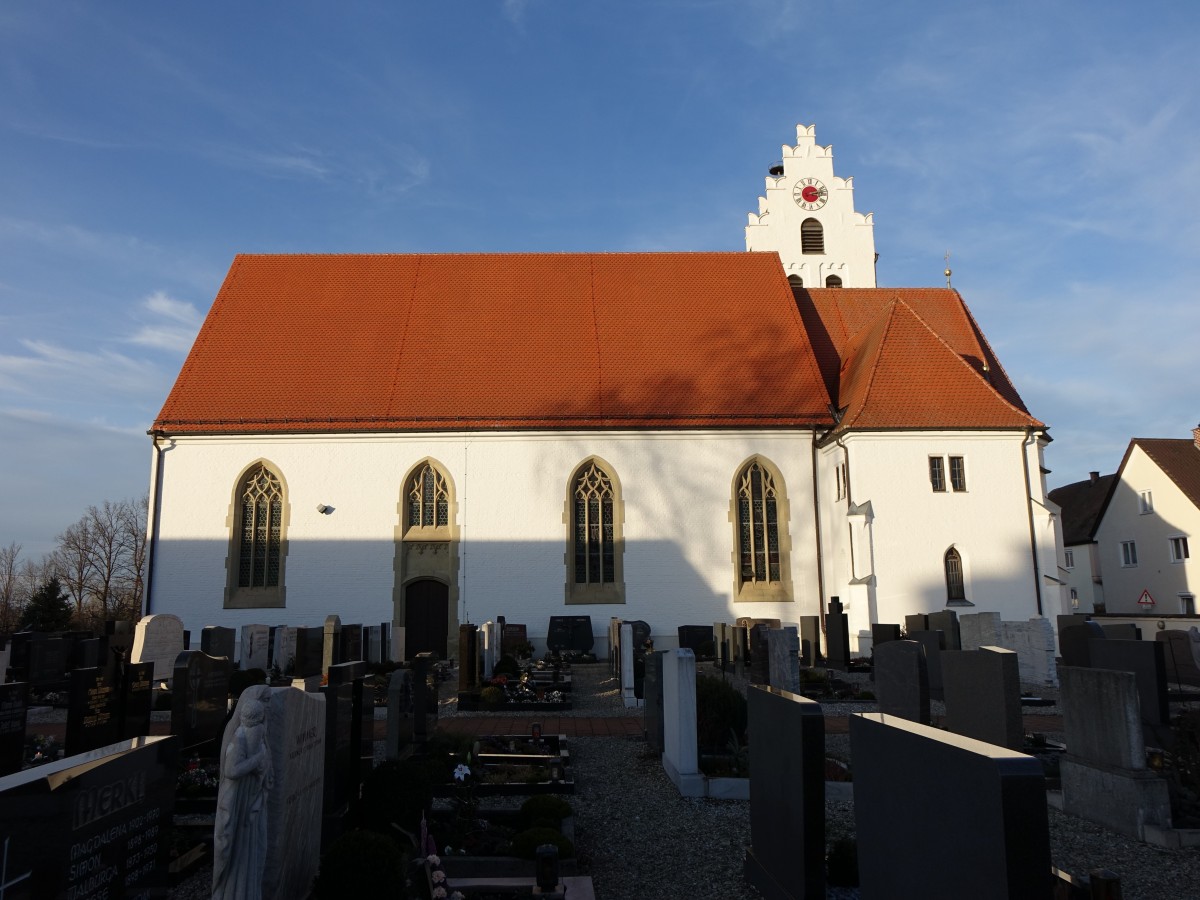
<point>428,499</point>
<point>258,547</point>
<point>761,528</point>
<point>812,237</point>
<point>594,509</point>
<point>955,588</point>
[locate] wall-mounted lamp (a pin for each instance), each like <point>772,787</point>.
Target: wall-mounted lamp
<point>323,509</point>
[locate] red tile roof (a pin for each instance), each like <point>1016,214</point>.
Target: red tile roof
<point>1179,458</point>
<point>312,343</point>
<point>401,342</point>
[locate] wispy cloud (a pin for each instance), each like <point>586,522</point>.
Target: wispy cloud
<point>177,333</point>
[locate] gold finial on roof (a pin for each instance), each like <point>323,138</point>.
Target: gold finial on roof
<point>947,273</point>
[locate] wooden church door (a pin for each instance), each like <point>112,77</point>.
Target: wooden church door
<point>425,615</point>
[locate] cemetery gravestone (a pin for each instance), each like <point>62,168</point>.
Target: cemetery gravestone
<point>933,643</point>
<point>341,755</point>
<point>759,666</point>
<point>362,724</point>
<point>654,701</point>
<point>1126,631</point>
<point>256,647</point>
<point>983,695</point>
<point>14,698</point>
<point>90,653</point>
<point>468,657</point>
<point>946,622</point>
<point>18,659</point>
<point>374,645</point>
<point>352,643</point>
<point>628,690</point>
<point>512,636</point>
<point>681,757</point>
<point>199,697</point>
<point>401,711</point>
<point>698,639</point>
<point>47,669</point>
<point>983,807</point>
<point>120,638</point>
<point>1178,656</point>
<point>295,734</point>
<point>309,652</point>
<point>93,825</point>
<point>571,634</point>
<point>1063,622</point>
<point>331,646</point>
<point>916,622</point>
<point>902,680</point>
<point>425,705</point>
<point>218,641</point>
<point>882,633</point>
<point>283,649</point>
<point>810,641</point>
<point>1148,663</point>
<point>91,711</point>
<point>158,639</point>
<point>783,659</point>
<point>136,699</point>
<point>786,856</point>
<point>837,636</point>
<point>1074,643</point>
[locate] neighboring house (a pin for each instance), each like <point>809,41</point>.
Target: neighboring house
<point>1143,534</point>
<point>682,438</point>
<point>1081,504</point>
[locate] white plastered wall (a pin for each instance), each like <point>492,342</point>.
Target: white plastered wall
<point>511,493</point>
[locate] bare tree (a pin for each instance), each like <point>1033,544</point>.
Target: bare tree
<point>32,575</point>
<point>133,527</point>
<point>11,600</point>
<point>73,562</point>
<point>107,552</point>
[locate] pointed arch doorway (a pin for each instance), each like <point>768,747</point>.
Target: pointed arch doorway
<point>426,608</point>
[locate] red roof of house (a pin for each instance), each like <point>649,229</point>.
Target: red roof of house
<point>316,343</point>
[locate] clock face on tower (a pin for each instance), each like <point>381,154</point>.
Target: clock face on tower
<point>810,194</point>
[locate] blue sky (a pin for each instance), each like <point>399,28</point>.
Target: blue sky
<point>1049,146</point>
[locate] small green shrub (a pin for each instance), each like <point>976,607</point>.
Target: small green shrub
<point>492,695</point>
<point>361,864</point>
<point>720,709</point>
<point>525,844</point>
<point>545,811</point>
<point>399,792</point>
<point>506,665</point>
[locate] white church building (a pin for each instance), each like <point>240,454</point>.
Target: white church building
<point>684,438</point>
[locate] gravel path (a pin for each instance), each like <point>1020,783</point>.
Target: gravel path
<point>638,838</point>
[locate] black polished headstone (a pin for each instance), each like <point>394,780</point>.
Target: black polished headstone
<point>653,690</point>
<point>352,643</point>
<point>810,641</point>
<point>570,634</point>
<point>946,622</point>
<point>400,715</point>
<point>837,636</point>
<point>199,698</point>
<point>92,705</point>
<point>934,644</point>
<point>759,660</point>
<point>216,640</point>
<point>90,653</point>
<point>982,807</point>
<point>882,632</point>
<point>510,636</point>
<point>983,695</point>
<point>90,826</point>
<point>424,699</point>
<point>310,645</point>
<point>341,756</point>
<point>916,622</point>
<point>13,708</point>
<point>1126,631</point>
<point>136,699</point>
<point>362,728</point>
<point>468,656</point>
<point>48,664</point>
<point>1061,622</point>
<point>786,857</point>
<point>698,639</point>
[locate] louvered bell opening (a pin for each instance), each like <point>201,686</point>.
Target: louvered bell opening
<point>812,237</point>
<point>796,283</point>
<point>833,282</point>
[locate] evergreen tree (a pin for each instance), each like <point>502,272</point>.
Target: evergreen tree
<point>49,609</point>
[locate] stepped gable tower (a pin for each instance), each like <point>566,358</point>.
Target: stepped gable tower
<point>808,218</point>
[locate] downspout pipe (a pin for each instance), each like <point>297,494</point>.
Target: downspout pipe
<point>152,520</point>
<point>1033,548</point>
<point>817,524</point>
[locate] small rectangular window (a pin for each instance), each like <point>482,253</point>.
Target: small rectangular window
<point>1187,604</point>
<point>1145,503</point>
<point>1074,599</point>
<point>958,474</point>
<point>1128,553</point>
<point>937,473</point>
<point>1069,559</point>
<point>1179,549</point>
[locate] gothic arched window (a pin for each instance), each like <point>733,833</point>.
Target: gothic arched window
<point>258,545</point>
<point>428,499</point>
<point>594,555</point>
<point>758,525</point>
<point>812,237</point>
<point>955,588</point>
<point>833,281</point>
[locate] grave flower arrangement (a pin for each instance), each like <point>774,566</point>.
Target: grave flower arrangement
<point>41,749</point>
<point>198,779</point>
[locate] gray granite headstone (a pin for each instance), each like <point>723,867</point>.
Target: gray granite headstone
<point>902,680</point>
<point>1147,661</point>
<point>374,645</point>
<point>946,621</point>
<point>783,659</point>
<point>916,622</point>
<point>283,649</point>
<point>881,633</point>
<point>158,639</point>
<point>296,739</point>
<point>216,640</point>
<point>982,807</point>
<point>256,649</point>
<point>1125,631</point>
<point>401,711</point>
<point>786,857</point>
<point>983,695</point>
<point>352,644</point>
<point>92,825</point>
<point>932,641</point>
<point>654,701</point>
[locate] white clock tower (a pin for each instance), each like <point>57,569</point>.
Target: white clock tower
<point>808,218</point>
